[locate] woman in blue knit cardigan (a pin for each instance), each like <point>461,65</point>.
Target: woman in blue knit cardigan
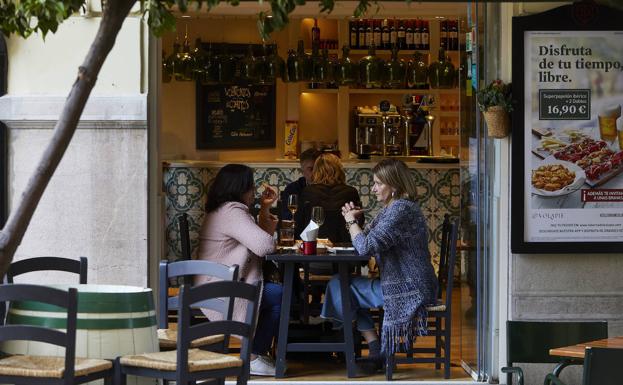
<point>398,238</point>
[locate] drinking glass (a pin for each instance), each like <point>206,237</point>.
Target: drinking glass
<point>317,215</point>
<point>293,203</point>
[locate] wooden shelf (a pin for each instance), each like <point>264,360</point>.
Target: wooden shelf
<point>449,138</point>
<point>447,114</point>
<point>387,91</point>
<point>403,52</point>
<point>319,90</point>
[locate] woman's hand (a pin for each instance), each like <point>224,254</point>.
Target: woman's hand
<point>269,196</point>
<point>268,222</point>
<point>350,212</point>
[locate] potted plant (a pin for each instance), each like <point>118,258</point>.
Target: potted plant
<point>495,102</point>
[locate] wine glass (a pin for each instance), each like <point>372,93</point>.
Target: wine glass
<point>317,215</point>
<point>293,203</point>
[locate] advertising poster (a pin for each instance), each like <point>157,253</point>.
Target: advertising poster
<point>567,135</point>
<point>573,136</point>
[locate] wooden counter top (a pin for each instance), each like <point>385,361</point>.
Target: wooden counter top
<point>288,163</point>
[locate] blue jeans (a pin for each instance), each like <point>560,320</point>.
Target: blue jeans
<point>268,320</point>
<point>365,293</point>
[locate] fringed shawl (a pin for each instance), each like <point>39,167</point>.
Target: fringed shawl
<point>398,237</point>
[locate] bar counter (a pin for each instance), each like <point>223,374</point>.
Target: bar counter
<point>186,184</point>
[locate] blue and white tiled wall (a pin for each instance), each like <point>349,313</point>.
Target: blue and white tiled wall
<point>187,187</point>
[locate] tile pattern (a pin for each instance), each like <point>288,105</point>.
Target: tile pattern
<point>187,187</point>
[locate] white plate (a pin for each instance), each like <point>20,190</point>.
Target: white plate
<point>580,178</point>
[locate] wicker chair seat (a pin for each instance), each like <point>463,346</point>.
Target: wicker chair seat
<point>198,360</point>
<point>49,367</point>
<point>167,339</point>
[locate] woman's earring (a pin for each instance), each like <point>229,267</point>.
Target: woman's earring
<point>393,194</point>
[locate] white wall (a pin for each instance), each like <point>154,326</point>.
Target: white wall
<point>96,202</point>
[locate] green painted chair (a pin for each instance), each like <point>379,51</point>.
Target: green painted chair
<point>530,342</point>
<point>601,367</point>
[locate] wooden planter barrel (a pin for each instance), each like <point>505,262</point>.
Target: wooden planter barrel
<point>112,321</point>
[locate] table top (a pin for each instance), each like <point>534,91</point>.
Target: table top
<point>289,255</point>
<point>577,351</point>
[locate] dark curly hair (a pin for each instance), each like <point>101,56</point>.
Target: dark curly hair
<point>230,183</point>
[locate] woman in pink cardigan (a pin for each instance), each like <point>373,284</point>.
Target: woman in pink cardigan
<point>229,235</point>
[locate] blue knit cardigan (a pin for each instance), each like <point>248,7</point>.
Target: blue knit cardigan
<point>398,237</point>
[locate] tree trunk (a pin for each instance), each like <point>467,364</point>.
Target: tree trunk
<point>115,12</point>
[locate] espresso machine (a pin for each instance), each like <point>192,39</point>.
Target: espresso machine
<point>368,133</point>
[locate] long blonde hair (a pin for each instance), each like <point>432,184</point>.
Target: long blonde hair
<point>328,170</point>
<point>396,174</point>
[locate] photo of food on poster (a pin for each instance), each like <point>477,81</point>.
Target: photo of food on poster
<point>573,136</point>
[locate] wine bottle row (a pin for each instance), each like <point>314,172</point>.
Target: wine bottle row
<point>384,34</point>
<point>449,35</point>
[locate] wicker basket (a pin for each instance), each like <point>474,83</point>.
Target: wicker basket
<point>498,122</point>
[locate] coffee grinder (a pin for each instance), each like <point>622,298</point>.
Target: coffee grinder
<point>368,133</point>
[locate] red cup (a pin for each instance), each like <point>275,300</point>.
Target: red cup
<point>309,247</point>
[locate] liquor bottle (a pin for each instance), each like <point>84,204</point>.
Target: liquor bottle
<point>454,36</point>
<point>354,43</point>
<point>443,35</point>
<point>315,34</point>
<point>417,35</point>
<point>361,35</point>
<point>385,40</point>
<point>409,35</point>
<point>377,34</point>
<point>371,69</point>
<point>402,36</point>
<point>395,69</point>
<point>425,35</point>
<point>369,33</point>
<point>393,33</point>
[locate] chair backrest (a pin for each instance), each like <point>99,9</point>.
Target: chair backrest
<point>601,366</point>
<point>191,297</point>
<point>188,269</point>
<point>447,259</point>
<point>50,296</point>
<point>530,342</point>
<point>79,267</point>
<point>182,221</point>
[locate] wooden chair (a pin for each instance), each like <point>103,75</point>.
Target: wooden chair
<point>167,338</point>
<point>440,314</point>
<point>186,365</point>
<point>601,367</point>
<point>79,267</point>
<point>530,342</point>
<point>40,370</point>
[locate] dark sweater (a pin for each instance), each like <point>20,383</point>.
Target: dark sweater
<point>331,198</point>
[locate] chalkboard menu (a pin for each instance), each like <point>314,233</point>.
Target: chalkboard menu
<point>238,114</point>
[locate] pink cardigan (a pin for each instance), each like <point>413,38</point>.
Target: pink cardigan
<point>230,236</point>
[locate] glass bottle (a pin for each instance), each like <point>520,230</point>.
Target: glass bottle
<point>417,35</point>
<point>385,44</point>
<point>393,33</point>
<point>318,68</point>
<point>361,35</point>
<point>369,34</point>
<point>248,66</point>
<point>417,74</point>
<point>315,34</point>
<point>371,69</point>
<point>303,63</point>
<point>183,66</point>
<point>354,31</point>
<point>291,72</point>
<point>346,70</point>
<point>425,35</point>
<point>377,34</point>
<point>210,67</point>
<point>225,66</point>
<point>402,36</point>
<point>443,34</point>
<point>198,56</point>
<point>454,35</point>
<point>167,68</point>
<point>409,35</point>
<point>271,66</point>
<point>441,73</point>
<point>394,74</point>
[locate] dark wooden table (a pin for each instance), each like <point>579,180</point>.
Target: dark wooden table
<point>289,259</point>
